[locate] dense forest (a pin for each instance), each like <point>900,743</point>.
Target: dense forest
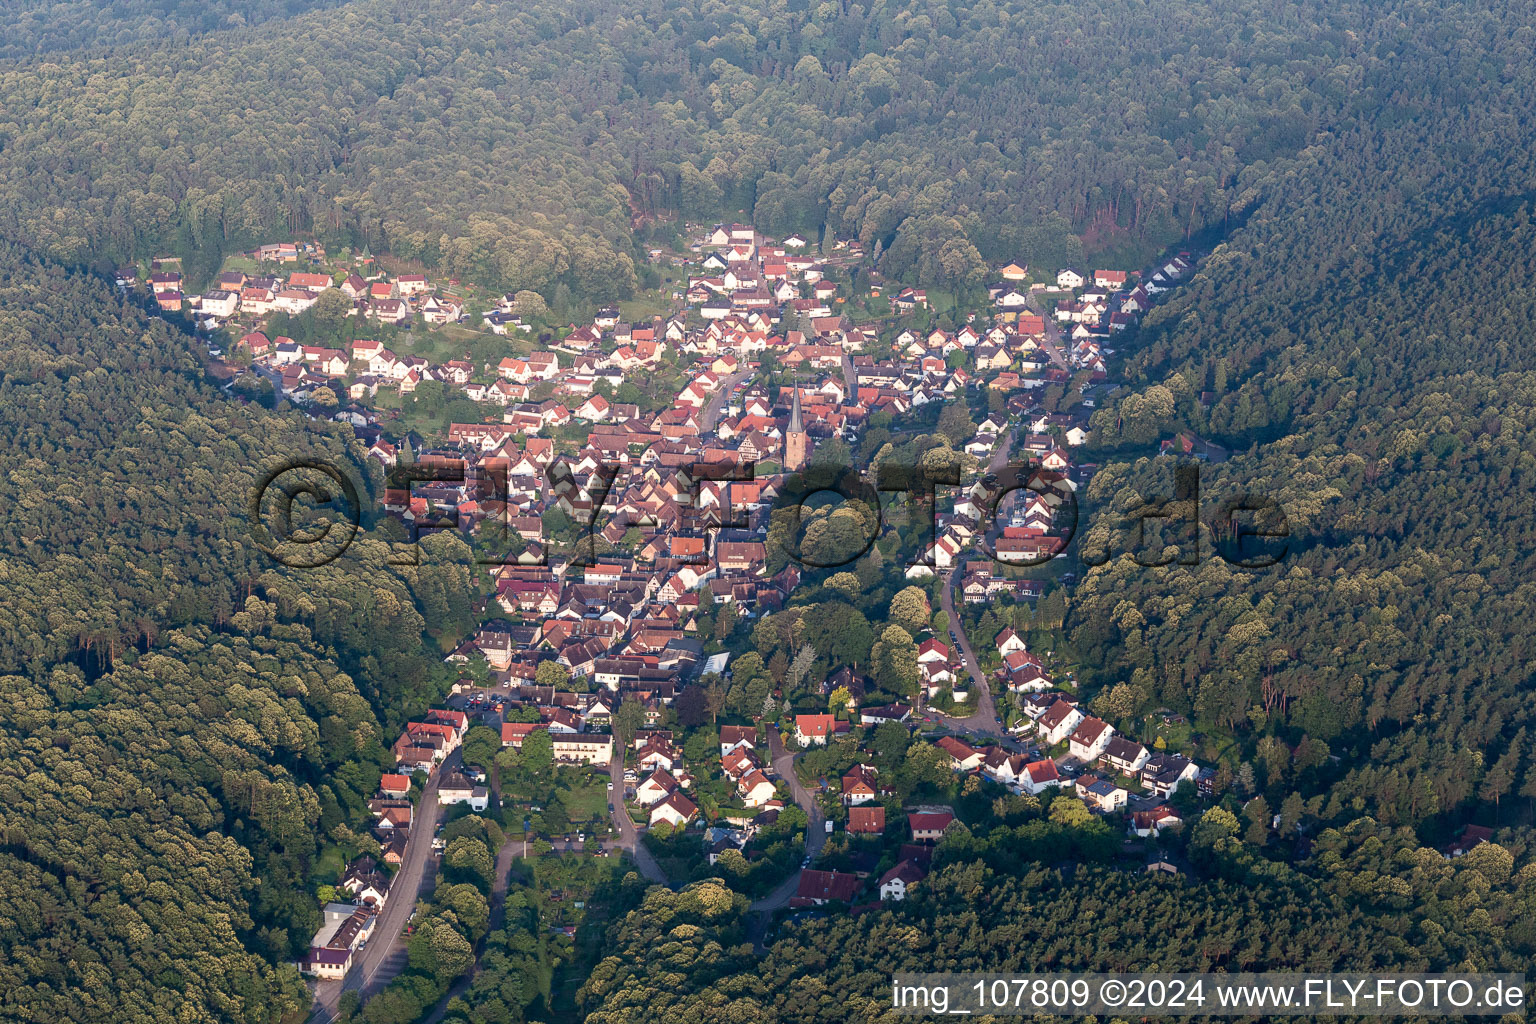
<point>186,730</point>
<point>1364,342</point>
<point>531,145</point>
<point>1369,899</point>
<point>45,26</point>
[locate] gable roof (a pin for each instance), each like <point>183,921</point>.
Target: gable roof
<point>906,872</point>
<point>1042,772</point>
<point>684,807</point>
<point>1056,714</point>
<point>730,734</point>
<point>930,821</point>
<point>1089,730</point>
<point>814,725</point>
<point>956,749</point>
<point>827,885</point>
<point>866,819</point>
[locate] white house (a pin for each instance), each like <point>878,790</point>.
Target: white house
<point>675,810</point>
<point>1039,776</point>
<point>999,766</point>
<point>755,789</point>
<point>344,928</point>
<point>657,787</point>
<point>457,789</point>
<point>1101,795</point>
<point>594,409</point>
<point>221,303</point>
<point>1089,739</point>
<point>933,651</point>
<point>895,882</point>
<point>1058,722</point>
<point>1028,679</point>
<point>1163,773</point>
<point>1126,757</point>
<point>813,729</point>
<point>587,748</point>
<point>737,737</point>
<point>962,756</point>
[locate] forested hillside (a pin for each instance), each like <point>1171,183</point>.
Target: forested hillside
<point>45,26</point>
<point>522,144</point>
<point>186,730</point>
<point>1366,341</point>
<point>182,730</point>
<point>126,475</point>
<point>1370,900</point>
<point>1363,340</point>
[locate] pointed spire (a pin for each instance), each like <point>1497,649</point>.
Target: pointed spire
<point>794,410</point>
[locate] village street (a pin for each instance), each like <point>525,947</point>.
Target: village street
<point>383,958</point>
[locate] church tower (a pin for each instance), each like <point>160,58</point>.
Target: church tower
<point>796,441</point>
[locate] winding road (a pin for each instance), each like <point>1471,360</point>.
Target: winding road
<point>984,720</point>
<point>815,829</point>
<point>504,861</point>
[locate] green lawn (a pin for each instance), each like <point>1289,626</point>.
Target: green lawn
<point>457,335</point>
<point>654,302</point>
<point>244,264</point>
<point>588,800</point>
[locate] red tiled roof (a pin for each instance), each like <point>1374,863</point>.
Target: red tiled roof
<point>827,885</point>
<point>866,820</point>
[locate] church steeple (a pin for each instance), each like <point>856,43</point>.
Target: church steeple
<point>797,442</point>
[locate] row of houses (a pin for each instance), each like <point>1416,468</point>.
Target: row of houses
<point>251,298</point>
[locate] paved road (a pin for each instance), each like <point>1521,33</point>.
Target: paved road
<point>716,404</point>
<point>384,956</point>
<point>629,836</point>
<point>1052,342</point>
<point>815,829</point>
<point>984,721</point>
<point>995,465</point>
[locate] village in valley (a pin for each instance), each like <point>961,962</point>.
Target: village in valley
<point>644,648</point>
